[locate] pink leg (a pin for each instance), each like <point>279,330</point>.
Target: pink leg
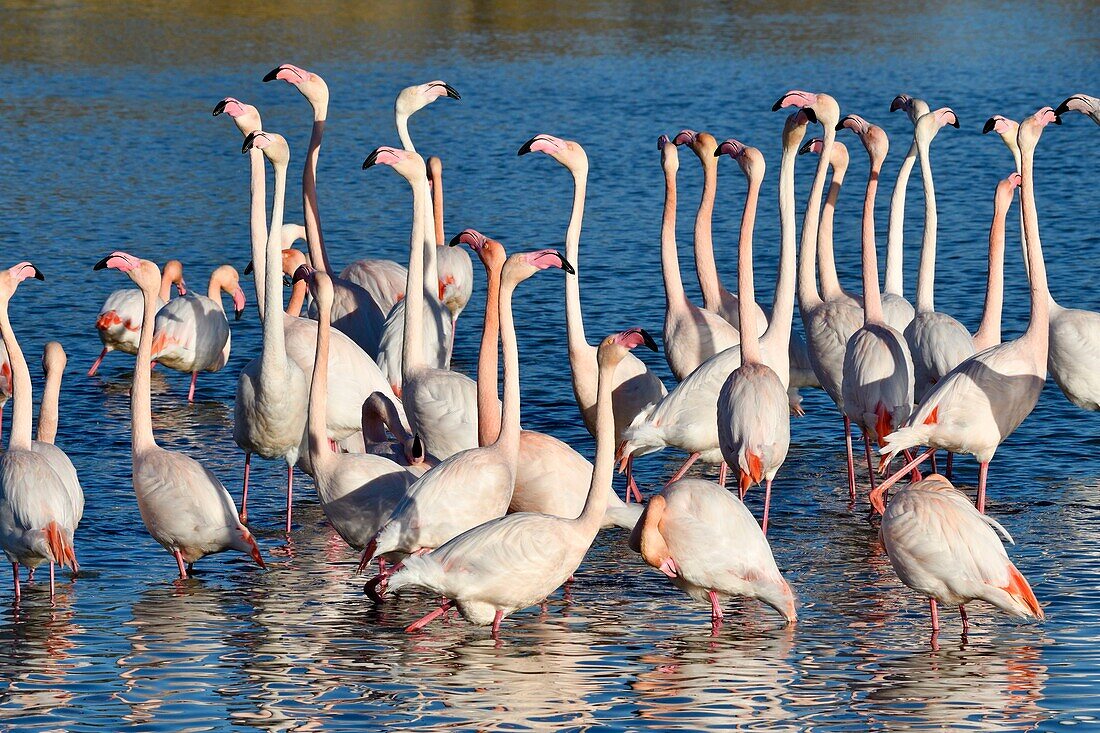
<point>722,471</point>
<point>289,495</point>
<point>935,615</point>
<point>851,460</point>
<point>97,362</point>
<point>935,468</point>
<point>767,503</point>
<point>179,562</point>
<point>915,474</point>
<point>427,619</point>
<point>15,575</point>
<point>983,471</point>
<point>715,607</point>
<point>870,465</point>
<point>191,392</point>
<point>683,469</point>
<point>30,575</point>
<point>244,496</point>
<point>381,566</point>
<point>631,484</point>
<point>905,469</point>
<point>52,588</point>
<point>496,623</point>
<point>950,465</point>
<point>962,612</point>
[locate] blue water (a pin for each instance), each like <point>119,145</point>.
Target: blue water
<point>108,144</point>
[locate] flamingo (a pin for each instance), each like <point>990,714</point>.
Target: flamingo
<point>456,270</point>
<point>292,260</point>
<point>5,383</point>
<point>898,311</point>
<point>985,398</point>
<point>828,323</point>
<point>184,506</point>
<point>379,415</point>
<point>1082,103</point>
<point>710,546</point>
<point>513,562</point>
<point>441,404</point>
<point>688,417</point>
<point>878,369</point>
<point>754,424</point>
<point>551,477</point>
<point>53,365</point>
<point>358,492</point>
<point>937,341</point>
<point>473,486</point>
<point>119,320</point>
<point>354,310</point>
<point>943,548</point>
<point>636,387</point>
<point>830,283</point>
<point>192,332</point>
<point>37,520</point>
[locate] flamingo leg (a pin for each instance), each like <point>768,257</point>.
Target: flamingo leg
<point>983,471</point>
<point>683,469</point>
<point>870,465</point>
<point>631,484</point>
<point>381,566</point>
<point>851,460</point>
<point>52,587</point>
<point>30,575</point>
<point>179,562</point>
<point>191,391</point>
<point>767,504</point>
<point>935,615</point>
<point>905,469</point>
<point>243,516</point>
<point>716,614</point>
<point>962,612</point>
<point>289,495</point>
<point>916,473</point>
<point>15,576</point>
<point>427,619</point>
<point>950,465</point>
<point>496,623</point>
<point>935,468</point>
<point>97,362</point>
<point>722,474</point>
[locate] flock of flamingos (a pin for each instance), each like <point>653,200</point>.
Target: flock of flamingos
<point>429,472</point>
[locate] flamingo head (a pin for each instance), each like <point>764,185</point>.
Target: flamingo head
<point>54,358</point>
<point>1005,189</point>
<point>817,107</point>
<point>407,163</point>
<point>292,260</point>
<point>173,273</point>
<point>1031,128</point>
<point>813,145</point>
<point>794,129</point>
<point>145,274</point>
<point>244,116</point>
<point>319,284</point>
<point>873,137</point>
<point>312,86</point>
<point>570,154</point>
<point>11,277</point>
<point>522,265</point>
<point>912,106</point>
<point>489,251</point>
<point>415,98</point>
<point>415,453</point>
<point>646,538</point>
<point>1001,125</point>
<point>227,280</point>
<point>670,157</point>
<point>1082,103</point>
<point>749,158</point>
<point>702,144</point>
<point>925,128</point>
<point>271,144</point>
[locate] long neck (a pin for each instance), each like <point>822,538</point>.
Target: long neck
<point>826,266</point>
<point>165,287</point>
<point>670,260</point>
<point>319,452</point>
<point>926,276</point>
<point>317,255</point>
<point>807,246</point>
<point>412,349</point>
<point>488,416</point>
<point>21,386</point>
<point>214,292</point>
<point>141,400</point>
<point>431,260</point>
<point>1040,304</point>
<point>746,294</point>
<point>508,440</point>
<point>604,464</point>
<point>258,226</point>
<point>872,299</point>
<point>48,408</point>
<point>402,122</point>
<point>895,237</point>
<point>574,321</point>
<point>989,331</point>
<point>437,203</point>
<point>705,268</point>
<point>273,354</point>
<point>779,325</point>
<point>297,299</point>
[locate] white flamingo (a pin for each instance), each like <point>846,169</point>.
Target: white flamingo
<point>119,320</point>
<point>826,258</point>
<point>53,366</point>
<point>1082,103</point>
<point>192,332</point>
<point>184,506</point>
<point>380,415</point>
<point>513,562</point>
<point>37,518</point>
<point>754,424</point>
<point>636,388</point>
<point>456,270</point>
<point>986,397</point>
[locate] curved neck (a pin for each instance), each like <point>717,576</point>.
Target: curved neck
<point>989,331</point>
<point>297,299</point>
<point>22,398</point>
<point>48,408</point>
<point>214,292</point>
<point>165,287</point>
<point>670,260</point>
<point>273,348</point>
<point>402,122</point>
<point>1040,304</point>
<point>872,299</point>
<point>488,416</point>
<point>320,455</point>
<point>826,266</point>
<point>604,463</point>
<point>258,226</point>
<point>141,400</point>
<point>926,276</point>
<point>746,294</point>
<point>779,325</point>
<point>705,268</point>
<point>807,266</point>
<point>317,255</point>
<point>895,237</point>
<point>412,349</point>
<point>508,439</point>
<point>574,321</point>
<point>436,173</point>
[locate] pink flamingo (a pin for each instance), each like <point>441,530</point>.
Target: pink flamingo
<point>826,268</point>
<point>379,416</point>
<point>516,561</point>
<point>986,397</point>
<point>184,506</point>
<point>1082,103</point>
<point>36,510</point>
<point>754,424</point>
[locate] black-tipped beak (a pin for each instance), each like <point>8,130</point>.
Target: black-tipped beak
<point>219,108</point>
<point>102,264</point>
<point>810,114</point>
<point>806,147</point>
<point>249,268</point>
<point>840,126</point>
<point>648,340</point>
<point>718,152</point>
<point>1057,119</point>
<point>989,125</point>
<point>778,104</point>
<point>38,274</point>
<point>1062,108</point>
<point>897,103</point>
<point>526,147</point>
<point>273,74</point>
<point>370,159</point>
<point>955,124</point>
<point>455,240</point>
<point>452,92</point>
<point>417,449</point>
<point>237,314</point>
<point>565,264</point>
<point>249,141</point>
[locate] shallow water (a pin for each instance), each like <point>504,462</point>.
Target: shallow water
<point>108,144</point>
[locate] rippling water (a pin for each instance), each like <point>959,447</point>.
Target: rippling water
<point>108,143</point>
